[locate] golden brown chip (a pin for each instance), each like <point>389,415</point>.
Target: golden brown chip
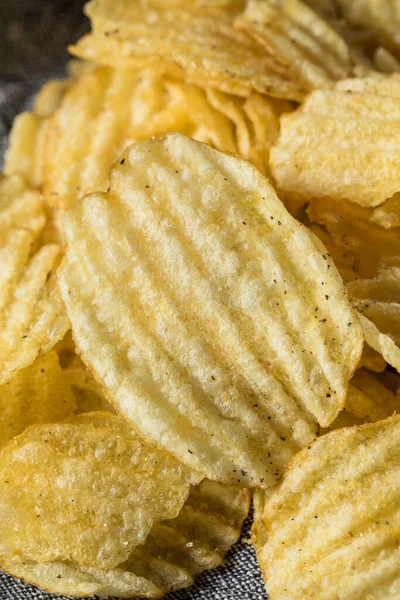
<point>175,552</point>
<point>378,299</point>
<point>359,247</point>
<point>24,154</point>
<point>197,40</point>
<point>86,490</point>
<point>342,143</point>
<point>385,61</point>
<point>37,394</point>
<point>106,110</point>
<point>381,343</point>
<point>332,522</point>
<point>371,360</point>
<point>213,320</point>
<point>310,50</point>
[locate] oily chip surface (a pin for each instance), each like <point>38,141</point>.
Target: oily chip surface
<point>342,143</point>
<point>175,551</point>
<point>331,524</point>
<point>86,490</point>
<point>197,41</point>
<point>36,394</point>
<point>211,336</point>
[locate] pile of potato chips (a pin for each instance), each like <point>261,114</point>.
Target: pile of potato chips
<point>200,302</point>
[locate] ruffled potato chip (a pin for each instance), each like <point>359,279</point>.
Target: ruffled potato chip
<point>24,154</point>
<point>369,399</point>
<point>37,394</point>
<point>176,551</point>
<point>378,299</point>
<point>342,143</point>
<point>311,51</point>
<point>32,314</point>
<point>106,110</point>
<point>196,40</point>
<point>213,320</point>
<point>382,19</point>
<point>381,343</point>
<point>330,527</point>
<point>359,247</point>
<point>86,490</point>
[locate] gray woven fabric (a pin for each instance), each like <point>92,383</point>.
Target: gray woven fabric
<point>33,38</point>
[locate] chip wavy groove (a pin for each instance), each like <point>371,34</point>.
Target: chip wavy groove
<point>313,53</point>
<point>186,279</point>
<point>330,527</point>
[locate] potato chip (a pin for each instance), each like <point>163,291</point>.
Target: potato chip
<point>388,214</point>
<point>381,18</point>
<point>385,61</point>
<point>371,360</point>
<point>107,109</point>
<point>378,299</point>
<point>332,521</point>
<point>256,123</point>
<point>381,343</point>
<point>87,392</point>
<point>174,553</point>
<point>197,40</point>
<point>107,488</point>
<point>342,143</point>
<point>19,206</point>
<point>362,245</point>
<point>32,314</point>
<point>213,320</point>
<point>37,394</point>
<point>312,52</point>
<point>24,154</point>
<point>369,399</point>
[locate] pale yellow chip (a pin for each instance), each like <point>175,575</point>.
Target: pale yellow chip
<point>105,110</point>
<point>342,143</point>
<point>331,524</point>
<point>24,154</point>
<point>20,206</point>
<point>388,214</point>
<point>381,343</point>
<point>37,394</point>
<point>86,490</point>
<point>176,551</point>
<point>378,299</point>
<point>382,19</point>
<point>359,247</point>
<point>310,50</point>
<point>213,320</point>
<point>196,40</point>
<point>32,314</point>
